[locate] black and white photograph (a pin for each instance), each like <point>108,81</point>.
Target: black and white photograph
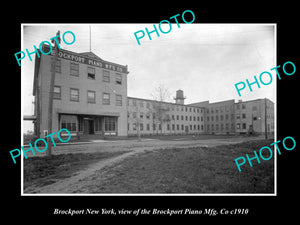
<point>134,112</point>
<point>162,116</point>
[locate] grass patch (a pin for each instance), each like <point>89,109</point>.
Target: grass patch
<point>40,171</point>
<point>190,170</point>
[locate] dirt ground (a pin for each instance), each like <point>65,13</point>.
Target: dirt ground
<point>80,181</point>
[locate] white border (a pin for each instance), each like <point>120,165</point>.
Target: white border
<point>152,194</point>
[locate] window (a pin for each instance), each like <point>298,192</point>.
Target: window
<point>106,77</point>
<point>173,126</point>
<point>57,92</point>
<point>118,100</point>
<point>141,126</point>
<point>68,122</point>
<point>244,126</point>
<point>98,124</point>
<point>141,115</point>
<point>118,78</point>
<point>57,66</point>
<point>133,102</point>
<point>106,99</point>
<point>74,95</point>
<point>168,126</point>
<point>148,126</point>
<point>243,115</point>
<point>91,73</point>
<point>134,126</point>
<point>91,97</point>
<point>182,127</point>
<point>243,106</point>
<point>109,123</point>
<point>178,126</point>
<point>74,69</point>
<point>148,115</point>
<point>237,126</point>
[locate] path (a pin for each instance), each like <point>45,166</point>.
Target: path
<point>74,183</point>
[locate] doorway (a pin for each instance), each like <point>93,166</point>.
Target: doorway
<point>89,126</point>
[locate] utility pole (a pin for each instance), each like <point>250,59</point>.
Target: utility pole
<point>51,90</point>
<point>266,131</point>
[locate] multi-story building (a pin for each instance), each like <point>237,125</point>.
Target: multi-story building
<point>90,94</point>
<point>90,97</point>
<point>156,117</point>
<point>230,117</point>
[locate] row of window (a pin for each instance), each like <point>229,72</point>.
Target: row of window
<point>91,96</point>
<point>149,104</point>
<point>91,72</point>
<point>172,117</point>
<point>221,126</point>
<point>154,127</point>
<point>70,123</point>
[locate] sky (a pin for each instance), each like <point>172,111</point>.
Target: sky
<point>203,60</point>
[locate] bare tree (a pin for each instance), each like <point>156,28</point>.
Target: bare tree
<point>161,95</point>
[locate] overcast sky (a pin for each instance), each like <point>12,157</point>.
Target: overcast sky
<point>204,60</point>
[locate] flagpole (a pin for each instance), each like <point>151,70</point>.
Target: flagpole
<point>90,39</point>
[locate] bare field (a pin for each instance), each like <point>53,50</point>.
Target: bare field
<point>151,166</point>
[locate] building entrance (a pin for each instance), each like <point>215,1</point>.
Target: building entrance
<point>89,126</point>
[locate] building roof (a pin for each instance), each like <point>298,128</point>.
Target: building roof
<point>91,55</point>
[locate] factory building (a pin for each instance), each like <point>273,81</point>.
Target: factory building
<point>90,98</point>
<point>242,117</point>
<point>90,94</point>
<point>151,117</point>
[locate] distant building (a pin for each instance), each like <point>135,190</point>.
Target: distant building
<point>255,116</point>
<point>90,97</point>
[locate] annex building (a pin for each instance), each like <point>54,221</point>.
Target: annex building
<point>90,98</point>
